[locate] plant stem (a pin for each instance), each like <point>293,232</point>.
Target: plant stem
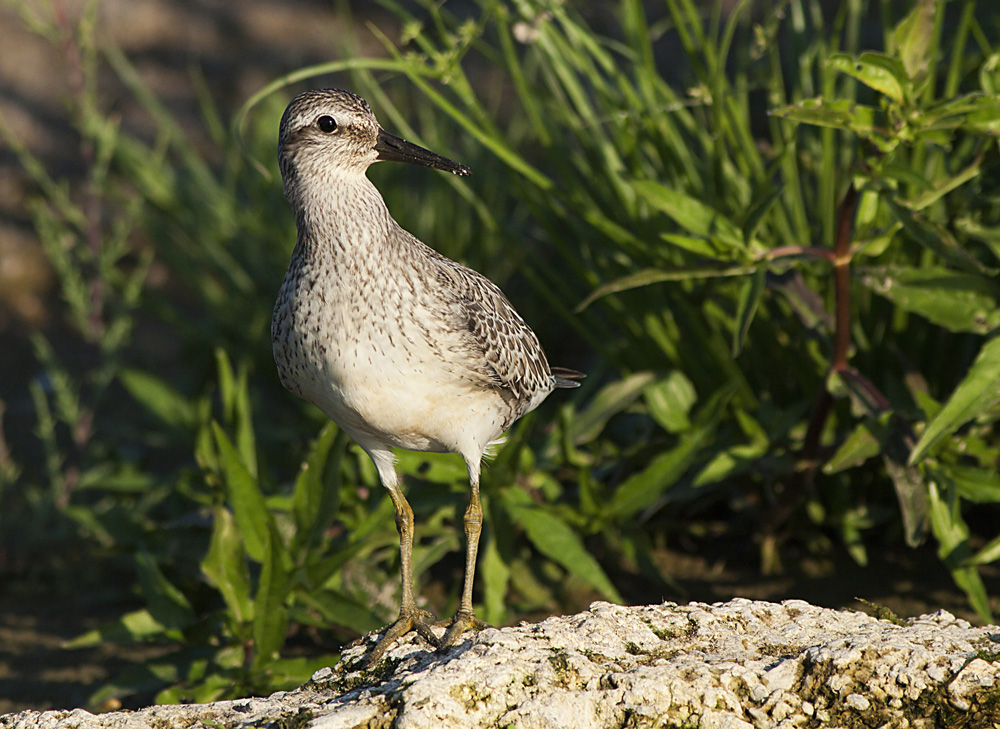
<point>842,331</point>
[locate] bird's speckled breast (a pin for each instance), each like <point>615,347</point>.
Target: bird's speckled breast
<point>373,353</point>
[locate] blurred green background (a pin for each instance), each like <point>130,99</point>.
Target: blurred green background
<point>768,231</point>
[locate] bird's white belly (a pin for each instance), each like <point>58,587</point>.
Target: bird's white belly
<point>387,395</point>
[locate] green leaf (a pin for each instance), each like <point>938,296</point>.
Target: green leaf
<point>270,621</point>
<point>694,216</point>
<point>553,538</point>
<point>138,625</point>
<point>952,534</point>
<point>322,570</point>
<point>168,605</point>
<point>703,247</point>
<point>159,398</point>
<point>609,401</point>
<point>937,239</point>
<point>670,400</point>
<point>764,199</point>
<point>337,609</point>
<point>225,568</point>
<point>227,383</point>
<point>989,74</point>
<point>985,120</point>
<point>979,485</point>
<point>649,276</point>
<point>643,489</point>
<point>859,446</point>
<point>234,392</point>
<point>912,40</point>
<point>746,307</point>
<point>838,114</point>
<point>495,576</point>
<point>728,463</point>
<point>960,302</point>
<point>944,186</point>
<point>976,394</point>
<point>249,507</point>
<point>876,70</point>
<point>988,554</point>
<point>911,494</point>
<point>315,498</point>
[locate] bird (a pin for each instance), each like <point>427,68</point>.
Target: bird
<point>399,345</point>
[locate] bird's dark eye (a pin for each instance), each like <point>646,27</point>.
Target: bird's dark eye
<point>326,124</point>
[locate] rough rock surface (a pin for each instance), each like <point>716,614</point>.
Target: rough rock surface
<point>723,666</point>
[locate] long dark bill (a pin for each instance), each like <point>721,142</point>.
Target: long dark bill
<point>392,148</point>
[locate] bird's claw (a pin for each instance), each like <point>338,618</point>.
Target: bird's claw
<point>409,620</point>
<point>456,626</point>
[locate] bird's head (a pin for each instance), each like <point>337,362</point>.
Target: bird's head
<point>326,131</point>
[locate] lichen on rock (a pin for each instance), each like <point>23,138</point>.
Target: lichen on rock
<point>736,664</point>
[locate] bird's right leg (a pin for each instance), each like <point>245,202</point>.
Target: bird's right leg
<point>410,616</point>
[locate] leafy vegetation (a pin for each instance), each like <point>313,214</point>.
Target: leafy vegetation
<point>783,259</point>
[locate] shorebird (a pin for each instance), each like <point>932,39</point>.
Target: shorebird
<point>399,345</point>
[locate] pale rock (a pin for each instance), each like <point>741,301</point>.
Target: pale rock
<point>735,665</point>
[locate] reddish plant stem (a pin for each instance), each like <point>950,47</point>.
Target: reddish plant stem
<point>842,330</point>
<point>842,279</point>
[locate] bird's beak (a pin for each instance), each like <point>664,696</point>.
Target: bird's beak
<point>392,148</point>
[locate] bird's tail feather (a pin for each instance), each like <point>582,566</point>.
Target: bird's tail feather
<point>567,377</point>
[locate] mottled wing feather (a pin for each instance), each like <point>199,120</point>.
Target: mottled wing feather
<point>508,347</point>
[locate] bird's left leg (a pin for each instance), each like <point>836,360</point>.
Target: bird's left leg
<point>410,616</point>
<point>466,618</point>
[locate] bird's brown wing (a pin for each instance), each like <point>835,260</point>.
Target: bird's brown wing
<point>504,345</point>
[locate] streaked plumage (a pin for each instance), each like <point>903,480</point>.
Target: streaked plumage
<point>399,345</point>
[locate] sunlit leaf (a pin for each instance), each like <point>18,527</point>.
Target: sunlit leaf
<point>553,538</point>
<point>670,400</point>
<point>857,448</point>
<point>609,401</point>
<point>693,215</point>
<point>270,621</point>
<point>975,484</point>
<point>166,603</point>
<point>644,488</point>
<point>876,70</point>
<point>977,393</point>
<point>649,276</point>
<point>912,39</point>
<point>837,113</point>
<point>937,239</point>
<point>963,302</point>
<point>225,567</point>
<point>314,500</point>
<point>252,516</point>
<point>159,398</point>
<point>953,534</point>
<point>988,554</point>
<point>494,574</point>
<point>137,625</point>
<point>764,199</point>
<point>989,74</point>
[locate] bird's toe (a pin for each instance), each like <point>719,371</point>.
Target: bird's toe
<point>456,626</point>
<point>416,620</point>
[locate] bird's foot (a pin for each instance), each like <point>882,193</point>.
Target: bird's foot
<point>409,620</point>
<point>462,621</point>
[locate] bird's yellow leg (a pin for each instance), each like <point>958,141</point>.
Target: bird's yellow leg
<point>410,616</point>
<point>466,618</point>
